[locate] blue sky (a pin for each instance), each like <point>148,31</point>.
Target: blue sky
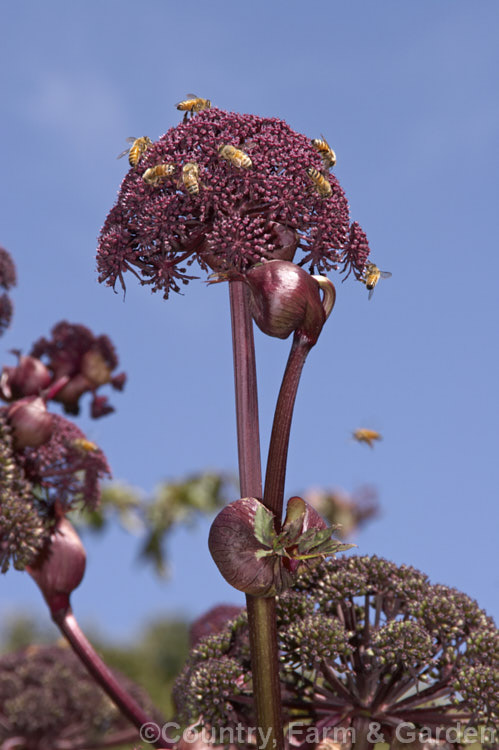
<point>406,93</point>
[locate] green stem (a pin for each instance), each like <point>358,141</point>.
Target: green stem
<point>69,627</point>
<point>261,611</point>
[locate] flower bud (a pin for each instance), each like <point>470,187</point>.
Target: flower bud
<point>235,547</point>
<point>28,378</point>
<point>31,423</point>
<point>60,567</point>
<point>254,558</point>
<point>286,299</point>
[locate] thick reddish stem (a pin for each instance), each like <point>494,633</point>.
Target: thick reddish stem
<point>68,625</point>
<point>278,449</point>
<point>261,611</point>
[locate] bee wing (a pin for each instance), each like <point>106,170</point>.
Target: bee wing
<point>385,274</point>
<point>192,96</point>
<point>327,144</point>
<point>371,292</point>
<point>123,153</point>
<point>130,139</point>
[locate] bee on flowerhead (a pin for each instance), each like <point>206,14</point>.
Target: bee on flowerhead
<point>190,175</point>
<point>325,150</point>
<point>137,150</point>
<point>322,186</point>
<point>193,104</point>
<point>235,156</point>
<point>82,445</point>
<point>155,175</point>
<point>371,275</point>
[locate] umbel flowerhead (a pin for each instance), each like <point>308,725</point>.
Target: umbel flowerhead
<point>41,482</point>
<point>227,190</point>
<point>361,640</point>
<point>47,695</point>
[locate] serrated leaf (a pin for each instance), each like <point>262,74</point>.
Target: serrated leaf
<point>314,538</point>
<point>264,526</point>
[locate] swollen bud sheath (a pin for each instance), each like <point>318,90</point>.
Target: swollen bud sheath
<point>60,567</point>
<point>286,299</point>
<point>32,424</point>
<point>28,378</point>
<point>253,557</point>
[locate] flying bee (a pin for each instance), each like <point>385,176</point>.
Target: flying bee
<point>154,175</point>
<point>322,185</point>
<point>137,149</point>
<point>193,104</point>
<point>371,275</point>
<point>82,445</point>
<point>365,435</point>
<point>325,150</point>
<point>235,156</point>
<point>190,174</point>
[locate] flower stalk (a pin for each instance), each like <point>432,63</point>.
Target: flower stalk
<point>261,610</point>
<point>68,625</point>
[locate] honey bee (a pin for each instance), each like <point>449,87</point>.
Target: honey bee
<point>365,435</point>
<point>371,275</point>
<point>193,104</point>
<point>322,185</point>
<point>325,150</point>
<point>235,156</point>
<point>154,175</point>
<point>190,174</point>
<point>82,445</point>
<point>137,149</point>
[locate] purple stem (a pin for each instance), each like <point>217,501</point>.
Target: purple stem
<point>68,625</point>
<point>261,611</point>
<point>275,476</point>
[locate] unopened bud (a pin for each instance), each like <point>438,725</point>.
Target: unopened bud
<point>285,299</point>
<point>31,423</point>
<point>28,378</point>
<point>60,567</point>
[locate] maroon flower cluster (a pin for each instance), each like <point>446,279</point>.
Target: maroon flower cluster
<point>74,352</point>
<point>234,216</point>
<point>7,280</point>
<point>39,484</point>
<point>66,468</point>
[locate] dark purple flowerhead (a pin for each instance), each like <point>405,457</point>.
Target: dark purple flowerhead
<point>41,482</point>
<point>363,643</point>
<point>48,696</point>
<point>8,279</point>
<point>227,190</point>
<point>87,361</point>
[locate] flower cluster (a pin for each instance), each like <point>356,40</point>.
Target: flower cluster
<point>7,280</point>
<point>47,696</point>
<point>360,639</point>
<point>88,361</point>
<point>39,482</point>
<point>227,190</point>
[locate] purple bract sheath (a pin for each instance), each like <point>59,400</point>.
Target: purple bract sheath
<point>227,190</point>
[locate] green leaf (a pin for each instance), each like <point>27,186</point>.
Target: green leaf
<point>263,529</point>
